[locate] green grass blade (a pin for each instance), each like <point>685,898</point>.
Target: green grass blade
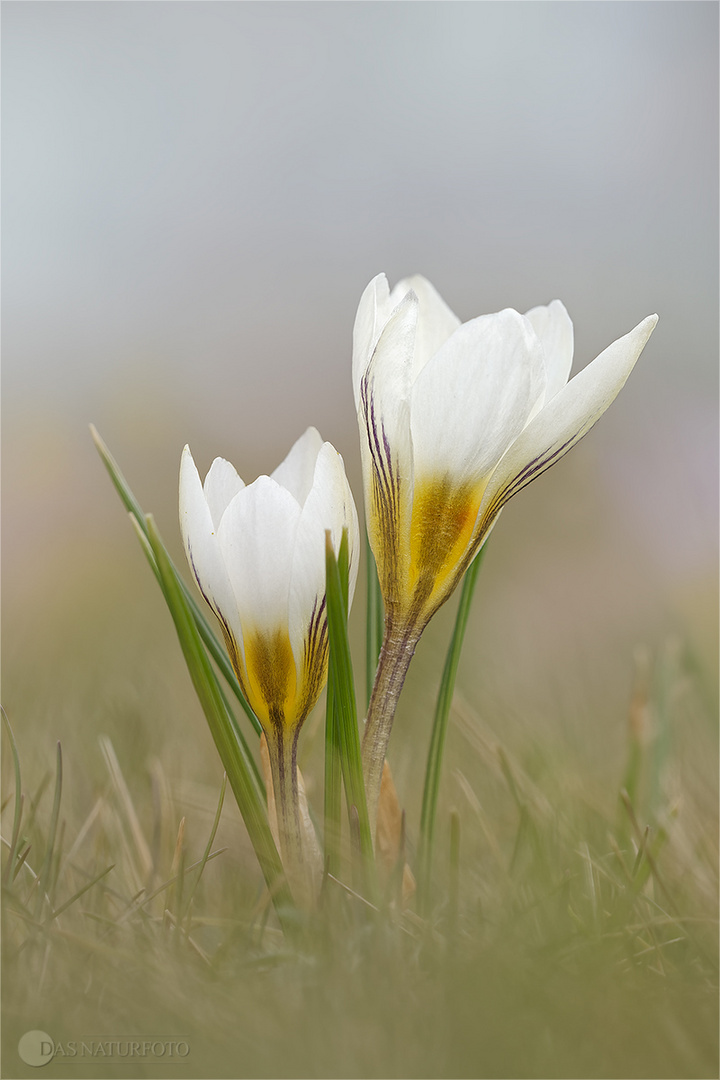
<point>220,657</point>
<point>141,901</point>
<point>210,640</point>
<point>121,485</point>
<point>150,555</point>
<point>333,764</point>
<point>81,892</point>
<point>344,695</point>
<point>333,779</point>
<point>439,730</point>
<point>374,624</point>
<point>343,564</point>
<point>208,846</point>
<point>223,732</point>
<point>45,871</point>
<point>17,816</point>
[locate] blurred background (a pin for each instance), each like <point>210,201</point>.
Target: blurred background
<point>195,196</point>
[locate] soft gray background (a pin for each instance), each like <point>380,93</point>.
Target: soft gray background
<point>195,195</point>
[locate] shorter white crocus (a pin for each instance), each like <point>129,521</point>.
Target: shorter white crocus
<point>454,420</point>
<point>257,552</point>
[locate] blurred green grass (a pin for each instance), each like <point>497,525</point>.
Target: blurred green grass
<point>569,955</point>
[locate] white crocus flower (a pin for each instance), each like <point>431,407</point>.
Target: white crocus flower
<point>258,555</point>
<point>454,420</point>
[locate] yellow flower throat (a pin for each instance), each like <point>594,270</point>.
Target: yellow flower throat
<point>271,676</point>
<point>443,517</point>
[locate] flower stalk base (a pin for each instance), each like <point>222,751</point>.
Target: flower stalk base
<point>282,749</point>
<point>397,651</point>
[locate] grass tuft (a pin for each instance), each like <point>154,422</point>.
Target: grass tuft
<point>558,942</point>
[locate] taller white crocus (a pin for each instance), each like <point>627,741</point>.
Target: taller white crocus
<point>454,420</point>
<point>258,555</point>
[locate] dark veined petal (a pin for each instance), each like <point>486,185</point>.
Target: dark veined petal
<point>385,441</point>
<point>373,312</point>
<point>328,506</point>
<point>205,557</point>
<point>564,420</point>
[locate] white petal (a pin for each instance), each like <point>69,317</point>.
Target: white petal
<point>307,588</point>
<point>384,419</point>
<point>322,510</point>
<point>203,550</point>
<point>436,321</point>
<point>296,472</point>
<point>474,397</point>
<point>373,312</point>
<point>330,506</point>
<point>553,326</point>
<point>353,528</point>
<point>336,506</point>
<point>385,386</point>
<point>257,539</point>
<point>221,485</point>
<point>566,418</point>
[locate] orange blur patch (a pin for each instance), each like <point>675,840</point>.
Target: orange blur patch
<point>271,676</point>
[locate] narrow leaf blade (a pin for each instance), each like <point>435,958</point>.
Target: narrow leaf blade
<point>439,730</point>
<point>344,694</point>
<point>374,621</point>
<point>210,640</point>
<point>222,730</point>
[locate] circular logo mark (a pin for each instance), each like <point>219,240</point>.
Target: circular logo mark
<point>36,1048</point>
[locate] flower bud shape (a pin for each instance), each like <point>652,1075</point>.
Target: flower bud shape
<point>455,419</point>
<point>258,555</point>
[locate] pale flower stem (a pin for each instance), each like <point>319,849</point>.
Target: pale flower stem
<point>282,747</point>
<point>396,653</point>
